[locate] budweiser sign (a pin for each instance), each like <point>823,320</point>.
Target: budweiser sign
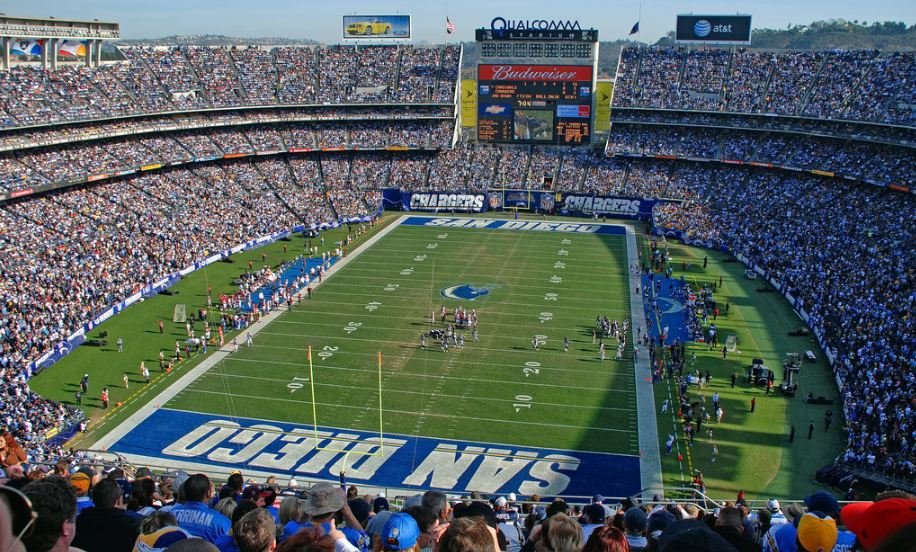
<point>569,73</point>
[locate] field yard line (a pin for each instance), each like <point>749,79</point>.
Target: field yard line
<point>538,305</point>
<point>628,390</point>
<point>543,351</point>
<point>433,414</point>
<point>482,278</point>
<point>650,462</point>
<point>169,393</point>
<point>437,394</point>
<point>373,355</point>
<point>530,318</point>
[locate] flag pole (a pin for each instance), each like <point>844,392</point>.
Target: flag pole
<point>639,27</point>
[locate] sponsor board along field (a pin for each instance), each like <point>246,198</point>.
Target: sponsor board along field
<point>496,415</point>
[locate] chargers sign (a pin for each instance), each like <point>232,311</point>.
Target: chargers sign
<point>398,461</point>
<point>619,207</point>
<point>443,201</point>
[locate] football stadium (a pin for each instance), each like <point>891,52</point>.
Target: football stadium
<point>470,283</point>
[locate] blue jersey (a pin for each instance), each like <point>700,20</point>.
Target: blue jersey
<point>201,521</point>
<point>226,544</point>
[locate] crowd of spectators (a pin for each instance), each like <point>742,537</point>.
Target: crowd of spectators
<point>157,79</point>
<point>842,250</point>
<point>861,85</point>
<point>71,255</point>
<point>72,162</point>
<point>722,120</point>
<point>92,506</point>
<point>872,162</point>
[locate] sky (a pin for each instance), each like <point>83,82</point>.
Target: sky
<point>321,19</point>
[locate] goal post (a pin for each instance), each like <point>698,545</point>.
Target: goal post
<point>347,452</point>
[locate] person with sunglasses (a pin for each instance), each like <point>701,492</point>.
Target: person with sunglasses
<point>9,537</point>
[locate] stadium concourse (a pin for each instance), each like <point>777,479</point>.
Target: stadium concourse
<point>115,178</point>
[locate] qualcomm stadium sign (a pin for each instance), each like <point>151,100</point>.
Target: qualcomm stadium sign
<point>391,461</point>
<point>500,24</point>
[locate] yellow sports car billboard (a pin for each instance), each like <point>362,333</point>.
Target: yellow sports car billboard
<point>376,26</point>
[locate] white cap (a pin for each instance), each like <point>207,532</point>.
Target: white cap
<point>511,497</point>
<point>293,482</point>
<point>772,505</point>
<point>501,502</point>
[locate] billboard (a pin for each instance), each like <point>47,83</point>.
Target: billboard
<point>468,103</point>
<point>534,104</point>
<point>376,26</point>
<point>713,29</point>
<point>603,92</point>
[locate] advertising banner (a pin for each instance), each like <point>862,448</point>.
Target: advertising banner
<point>603,92</point>
<point>443,201</point>
<point>468,103</point>
<point>601,206</point>
<point>376,26</point>
<point>713,29</point>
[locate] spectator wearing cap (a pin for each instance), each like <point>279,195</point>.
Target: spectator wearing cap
<point>194,515</point>
<point>106,526</point>
<point>776,515</point>
<point>379,504</point>
<point>81,484</point>
<point>54,503</point>
<point>730,526</point>
<point>401,532</point>
<point>659,520</point>
<point>634,524</point>
<point>691,535</point>
<point>816,532</point>
<point>160,539</point>
<point>325,501</point>
<point>876,523</point>
<point>825,502</point>
<point>507,520</point>
<point>255,532</point>
<point>593,517</point>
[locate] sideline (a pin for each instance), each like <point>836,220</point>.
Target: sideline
<point>650,462</point>
<point>185,380</point>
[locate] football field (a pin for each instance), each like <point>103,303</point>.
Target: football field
<point>369,376</point>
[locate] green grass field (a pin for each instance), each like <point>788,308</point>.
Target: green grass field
<point>754,453</point>
<point>497,390</point>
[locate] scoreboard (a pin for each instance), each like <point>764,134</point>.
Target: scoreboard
<point>534,104</point>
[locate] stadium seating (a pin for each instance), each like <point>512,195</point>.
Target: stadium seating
<point>852,85</point>
<point>707,104</point>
